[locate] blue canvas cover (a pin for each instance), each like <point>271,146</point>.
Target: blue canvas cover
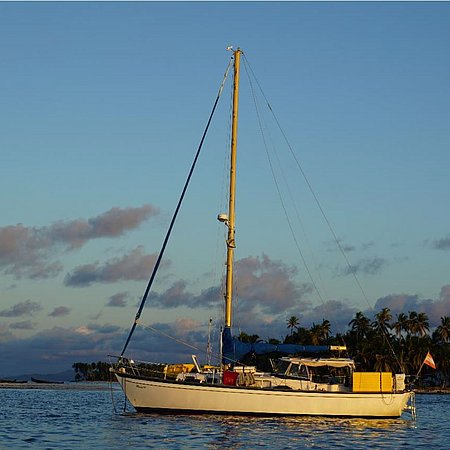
<point>233,349</point>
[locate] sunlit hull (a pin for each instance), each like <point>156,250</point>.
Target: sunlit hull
<point>148,395</point>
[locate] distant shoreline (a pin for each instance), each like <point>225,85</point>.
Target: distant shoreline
<point>82,386</point>
<point>432,391</point>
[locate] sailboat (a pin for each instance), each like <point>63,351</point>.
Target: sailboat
<point>327,385</point>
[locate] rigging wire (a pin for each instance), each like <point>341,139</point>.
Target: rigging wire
<point>314,195</point>
<point>351,269</point>
<point>172,223</point>
<point>186,344</point>
<point>179,341</point>
<point>279,191</point>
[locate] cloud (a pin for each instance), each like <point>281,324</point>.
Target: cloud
<point>348,248</point>
<point>333,246</point>
<point>268,284</point>
<point>21,309</point>
<point>368,266</point>
<point>445,293</point>
<point>177,295</point>
<point>60,311</point>
<point>441,244</point>
<point>29,251</point>
<point>56,349</point>
<point>25,325</point>
<point>367,245</point>
<point>112,223</point>
<point>185,325</point>
<point>339,313</point>
<point>118,300</point>
<point>261,283</point>
<point>133,266</point>
<point>103,329</point>
<point>5,334</point>
<point>25,252</point>
<point>434,308</point>
<point>336,246</point>
<point>96,316</point>
<point>165,341</point>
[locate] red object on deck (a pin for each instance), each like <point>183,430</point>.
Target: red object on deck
<point>229,378</point>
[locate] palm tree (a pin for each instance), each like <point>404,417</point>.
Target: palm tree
<point>292,323</point>
<point>360,325</point>
<point>383,363</point>
<point>315,334</point>
<point>412,323</point>
<point>443,330</point>
<point>326,329</point>
<point>401,324</point>
<point>381,323</point>
<point>320,332</point>
<point>423,324</point>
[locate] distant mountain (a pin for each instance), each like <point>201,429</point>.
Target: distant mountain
<point>67,375</point>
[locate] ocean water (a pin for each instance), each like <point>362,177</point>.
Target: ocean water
<point>96,419</point>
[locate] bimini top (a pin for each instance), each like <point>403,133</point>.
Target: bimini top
<point>321,362</point>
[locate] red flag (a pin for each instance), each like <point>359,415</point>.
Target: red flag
<point>429,361</point>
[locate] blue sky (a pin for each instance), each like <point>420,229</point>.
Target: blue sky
<point>103,105</point>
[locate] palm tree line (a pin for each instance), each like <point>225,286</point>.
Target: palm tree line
<point>386,343</point>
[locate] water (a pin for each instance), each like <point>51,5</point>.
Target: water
<point>80,419</point>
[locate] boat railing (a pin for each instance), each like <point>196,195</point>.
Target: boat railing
<point>141,368</point>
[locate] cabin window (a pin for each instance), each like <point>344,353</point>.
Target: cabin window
<point>298,371</point>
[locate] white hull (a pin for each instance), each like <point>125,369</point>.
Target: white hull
<point>169,396</point>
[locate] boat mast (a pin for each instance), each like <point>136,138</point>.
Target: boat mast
<point>231,208</point>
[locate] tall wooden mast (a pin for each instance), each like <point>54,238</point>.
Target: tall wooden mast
<point>231,208</point>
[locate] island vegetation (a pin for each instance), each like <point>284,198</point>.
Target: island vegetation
<point>385,343</point>
<point>95,371</point>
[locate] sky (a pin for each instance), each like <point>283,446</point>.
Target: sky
<point>102,109</point>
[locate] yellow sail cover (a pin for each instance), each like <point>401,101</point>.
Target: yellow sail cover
<point>372,382</point>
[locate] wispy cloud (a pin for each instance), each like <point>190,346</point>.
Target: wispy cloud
<point>21,309</point>
<point>118,300</point>
<point>135,265</point>
<point>29,251</point>
<point>333,246</point>
<point>368,266</point>
<point>441,244</point>
<point>24,325</point>
<point>60,311</point>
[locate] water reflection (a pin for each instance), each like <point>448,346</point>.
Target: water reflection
<point>249,432</point>
<point>79,420</point>
<point>310,431</point>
